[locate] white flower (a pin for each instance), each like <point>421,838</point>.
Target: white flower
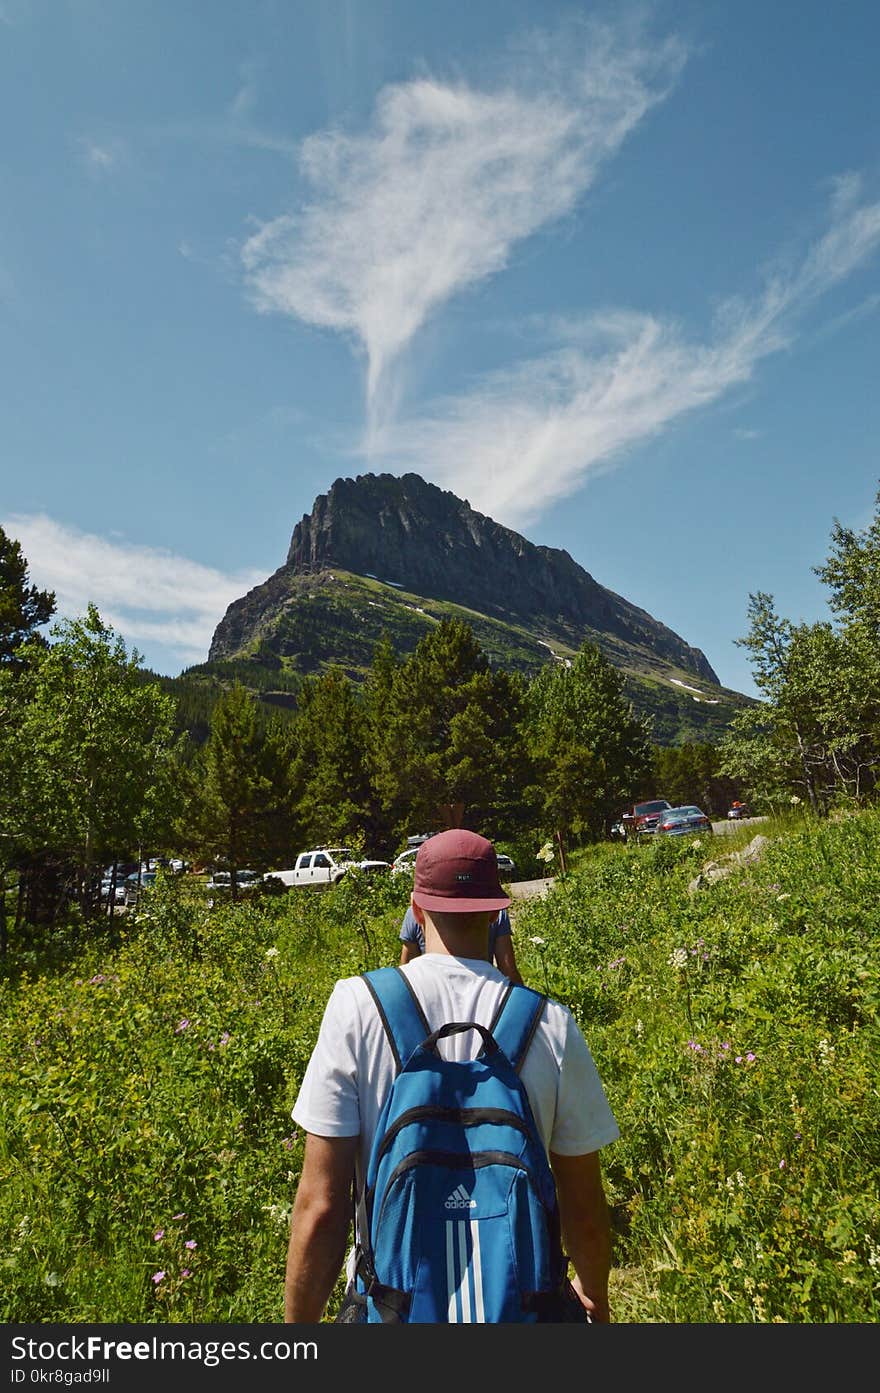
<point>794,799</point>
<point>271,952</point>
<point>696,844</point>
<point>639,1027</point>
<point>545,853</point>
<point>538,942</point>
<point>826,1051</point>
<point>678,957</point>
<point>278,1213</point>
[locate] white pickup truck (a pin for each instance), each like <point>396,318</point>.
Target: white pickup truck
<point>325,865</point>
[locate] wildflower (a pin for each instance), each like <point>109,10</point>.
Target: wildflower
<point>794,800</point>
<point>750,1058</point>
<point>618,962</point>
<point>160,1233</point>
<point>288,1142</point>
<point>738,1262</point>
<point>53,1280</point>
<point>545,853</point>
<point>181,1026</point>
<point>782,1164</point>
<point>639,1027</point>
<point>97,979</point>
<point>849,1256</point>
<point>178,1216</point>
<point>678,958</point>
<point>538,942</point>
<point>158,1277</point>
<point>693,1045</point>
<point>186,1272</point>
<point>190,1243</point>
<point>784,896</point>
<point>826,1051</point>
<point>271,952</point>
<point>696,844</point>
<point>225,1038</point>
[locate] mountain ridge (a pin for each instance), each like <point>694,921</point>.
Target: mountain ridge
<point>385,553</point>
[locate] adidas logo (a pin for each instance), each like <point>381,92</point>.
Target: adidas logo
<point>460,1199</point>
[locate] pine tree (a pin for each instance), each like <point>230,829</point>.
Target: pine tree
<point>592,749</point>
<point>23,608</point>
<point>238,789</point>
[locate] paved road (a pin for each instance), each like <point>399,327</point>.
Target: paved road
<point>528,889</point>
<point>733,824</point>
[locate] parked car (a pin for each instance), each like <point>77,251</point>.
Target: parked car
<point>325,865</point>
<point>404,863</point>
<point>135,883</point>
<point>640,819</point>
<point>118,890</point>
<point>219,886</point>
<point>678,822</point>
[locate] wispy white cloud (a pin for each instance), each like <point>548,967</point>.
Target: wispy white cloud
<point>100,157</point>
<point>525,437</point>
<point>149,596</point>
<point>448,179</point>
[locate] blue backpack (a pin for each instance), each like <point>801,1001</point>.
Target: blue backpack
<point>458,1220</point>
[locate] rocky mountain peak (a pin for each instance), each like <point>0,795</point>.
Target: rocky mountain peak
<point>413,534</point>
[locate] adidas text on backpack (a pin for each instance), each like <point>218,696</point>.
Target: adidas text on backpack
<point>458,1221</point>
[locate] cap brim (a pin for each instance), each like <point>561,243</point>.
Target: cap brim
<point>455,904</point>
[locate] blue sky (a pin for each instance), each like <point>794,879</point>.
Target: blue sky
<point>610,273</point>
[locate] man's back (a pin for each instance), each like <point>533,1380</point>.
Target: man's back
<point>352,1068</point>
<point>456,894</point>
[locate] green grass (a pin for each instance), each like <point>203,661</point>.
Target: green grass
<point>146,1085</point>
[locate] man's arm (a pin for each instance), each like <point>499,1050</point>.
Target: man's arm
<point>319,1226</point>
<point>409,951</point>
<point>586,1228</point>
<point>505,959</point>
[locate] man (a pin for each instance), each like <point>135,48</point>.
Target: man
<point>456,895</point>
<point>412,937</point>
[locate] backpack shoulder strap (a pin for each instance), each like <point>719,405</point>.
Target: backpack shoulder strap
<point>516,1021</point>
<point>399,1010</point>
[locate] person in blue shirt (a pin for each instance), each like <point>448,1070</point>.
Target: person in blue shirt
<point>412,937</point>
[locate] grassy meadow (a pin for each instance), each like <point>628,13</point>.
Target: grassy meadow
<point>148,1158</point>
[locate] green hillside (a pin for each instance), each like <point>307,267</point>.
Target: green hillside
<point>335,618</point>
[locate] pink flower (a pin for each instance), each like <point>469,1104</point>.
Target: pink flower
<point>190,1243</point>
<point>160,1233</point>
<point>186,1272</point>
<point>158,1277</point>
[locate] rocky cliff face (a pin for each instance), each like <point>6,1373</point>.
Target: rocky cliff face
<point>425,539</point>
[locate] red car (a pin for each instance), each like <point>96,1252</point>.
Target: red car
<point>643,818</point>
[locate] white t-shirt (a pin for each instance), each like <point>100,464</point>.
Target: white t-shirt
<point>352,1067</point>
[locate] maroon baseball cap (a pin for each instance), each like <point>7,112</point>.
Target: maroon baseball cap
<point>456,873</point>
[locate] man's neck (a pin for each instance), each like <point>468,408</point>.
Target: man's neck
<point>470,943</point>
